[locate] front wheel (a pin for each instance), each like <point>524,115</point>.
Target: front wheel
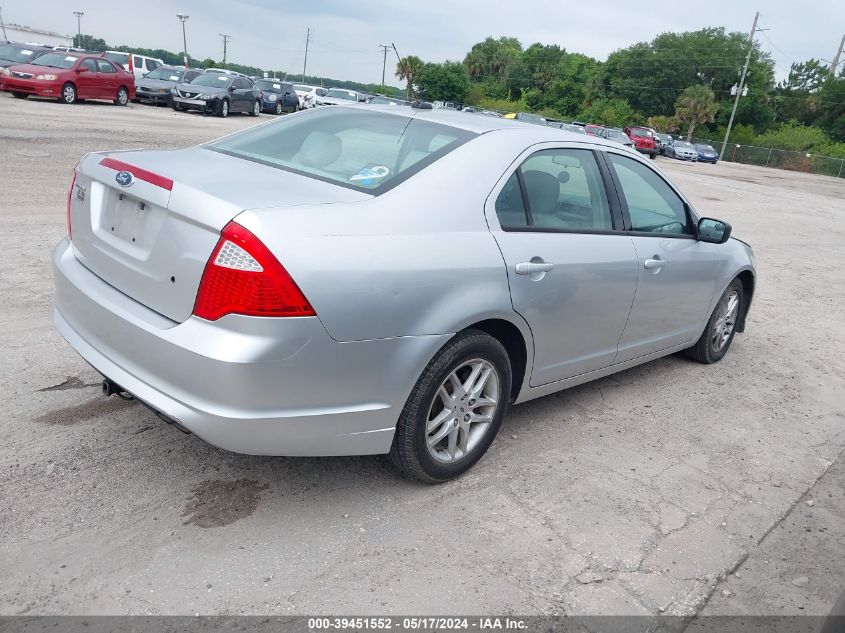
<point>19,95</point>
<point>224,108</point>
<point>256,108</point>
<point>455,410</point>
<point>122,97</point>
<point>278,108</point>
<point>719,333</point>
<point>68,93</point>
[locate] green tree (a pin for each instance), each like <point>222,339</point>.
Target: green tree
<point>696,105</point>
<point>611,112</point>
<point>492,58</point>
<point>448,81</point>
<point>89,43</point>
<point>664,124</point>
<point>407,70</point>
<point>831,107</point>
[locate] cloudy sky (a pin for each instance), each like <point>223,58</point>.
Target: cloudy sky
<point>346,34</point>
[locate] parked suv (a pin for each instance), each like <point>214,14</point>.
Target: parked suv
<point>218,94</point>
<point>643,139</point>
<point>138,65</point>
<point>155,87</point>
<point>277,96</point>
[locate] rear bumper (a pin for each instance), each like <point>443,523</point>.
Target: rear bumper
<point>245,384</point>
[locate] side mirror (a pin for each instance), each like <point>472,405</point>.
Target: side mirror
<point>713,231</point>
<point>231,88</point>
<point>83,69</point>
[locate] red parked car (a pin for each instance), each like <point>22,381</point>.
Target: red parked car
<point>69,77</point>
<point>643,139</point>
<point>593,130</point>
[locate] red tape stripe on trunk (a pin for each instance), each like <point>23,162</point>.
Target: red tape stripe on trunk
<point>141,174</point>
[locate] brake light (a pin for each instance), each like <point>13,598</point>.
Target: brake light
<point>243,277</point>
<point>69,199</point>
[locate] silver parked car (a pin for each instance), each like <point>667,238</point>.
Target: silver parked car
<point>682,150</point>
<point>384,280</point>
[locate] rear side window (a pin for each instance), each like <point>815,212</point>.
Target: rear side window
<point>105,67</point>
<point>564,191</point>
<point>366,151</point>
<point>139,63</point>
<point>652,204</point>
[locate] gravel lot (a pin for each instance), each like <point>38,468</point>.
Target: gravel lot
<point>638,493</point>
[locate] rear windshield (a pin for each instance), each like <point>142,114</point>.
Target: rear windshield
<point>56,60</point>
<point>118,58</point>
<point>705,148</point>
<point>15,53</point>
<point>269,85</point>
<point>366,151</point>
<point>337,93</point>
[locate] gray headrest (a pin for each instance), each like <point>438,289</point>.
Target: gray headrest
<point>320,149</point>
<point>543,190</point>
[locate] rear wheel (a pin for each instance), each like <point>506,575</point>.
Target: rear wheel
<point>719,333</point>
<point>256,108</point>
<point>19,95</point>
<point>68,93</point>
<point>122,97</point>
<point>455,410</point>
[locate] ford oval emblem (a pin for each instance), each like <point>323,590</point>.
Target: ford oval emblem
<point>124,178</point>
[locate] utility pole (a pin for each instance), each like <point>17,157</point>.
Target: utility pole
<point>384,48</point>
<point>3,26</point>
<point>226,39</point>
<point>741,83</point>
<point>835,63</point>
<point>184,18</point>
<point>78,15</point>
<point>305,62</point>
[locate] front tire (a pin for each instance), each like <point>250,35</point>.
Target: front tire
<point>122,97</point>
<point>224,109</point>
<point>278,109</point>
<point>20,95</point>
<point>68,94</point>
<point>455,409</point>
<point>721,328</point>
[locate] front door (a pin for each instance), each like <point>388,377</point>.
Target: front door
<point>676,273</point>
<point>572,275</point>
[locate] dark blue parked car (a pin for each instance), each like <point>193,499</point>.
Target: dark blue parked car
<point>706,153</point>
<point>279,96</point>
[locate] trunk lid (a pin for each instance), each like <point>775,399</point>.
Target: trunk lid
<point>152,238</point>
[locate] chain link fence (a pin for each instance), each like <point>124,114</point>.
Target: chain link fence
<point>780,158</point>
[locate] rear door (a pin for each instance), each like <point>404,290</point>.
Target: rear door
<point>572,271</point>
<point>108,78</point>
<point>677,274</point>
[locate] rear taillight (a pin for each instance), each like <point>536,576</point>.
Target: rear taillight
<point>69,201</point>
<point>243,277</point>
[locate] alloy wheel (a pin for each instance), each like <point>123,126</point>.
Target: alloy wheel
<point>278,108</point>
<point>69,94</point>
<point>462,410</point>
<point>725,321</point>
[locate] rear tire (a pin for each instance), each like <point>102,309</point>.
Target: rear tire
<point>122,97</point>
<point>721,327</point>
<point>20,95</point>
<point>68,93</point>
<point>455,409</point>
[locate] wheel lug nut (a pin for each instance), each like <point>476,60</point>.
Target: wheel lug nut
<point>466,418</point>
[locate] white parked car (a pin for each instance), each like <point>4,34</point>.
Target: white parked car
<point>308,94</point>
<point>138,65</point>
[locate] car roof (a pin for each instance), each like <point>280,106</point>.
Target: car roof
<point>482,124</point>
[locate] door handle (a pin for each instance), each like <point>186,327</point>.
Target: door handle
<point>530,268</point>
<point>653,264</point>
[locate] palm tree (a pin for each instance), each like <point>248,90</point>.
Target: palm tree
<point>408,69</point>
<point>697,104</point>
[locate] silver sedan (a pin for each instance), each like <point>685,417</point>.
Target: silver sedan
<point>379,280</point>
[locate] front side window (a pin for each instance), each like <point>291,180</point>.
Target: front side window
<point>90,64</point>
<point>151,64</point>
<point>652,204</point>
<point>105,67</point>
<point>564,191</point>
<point>367,151</point>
